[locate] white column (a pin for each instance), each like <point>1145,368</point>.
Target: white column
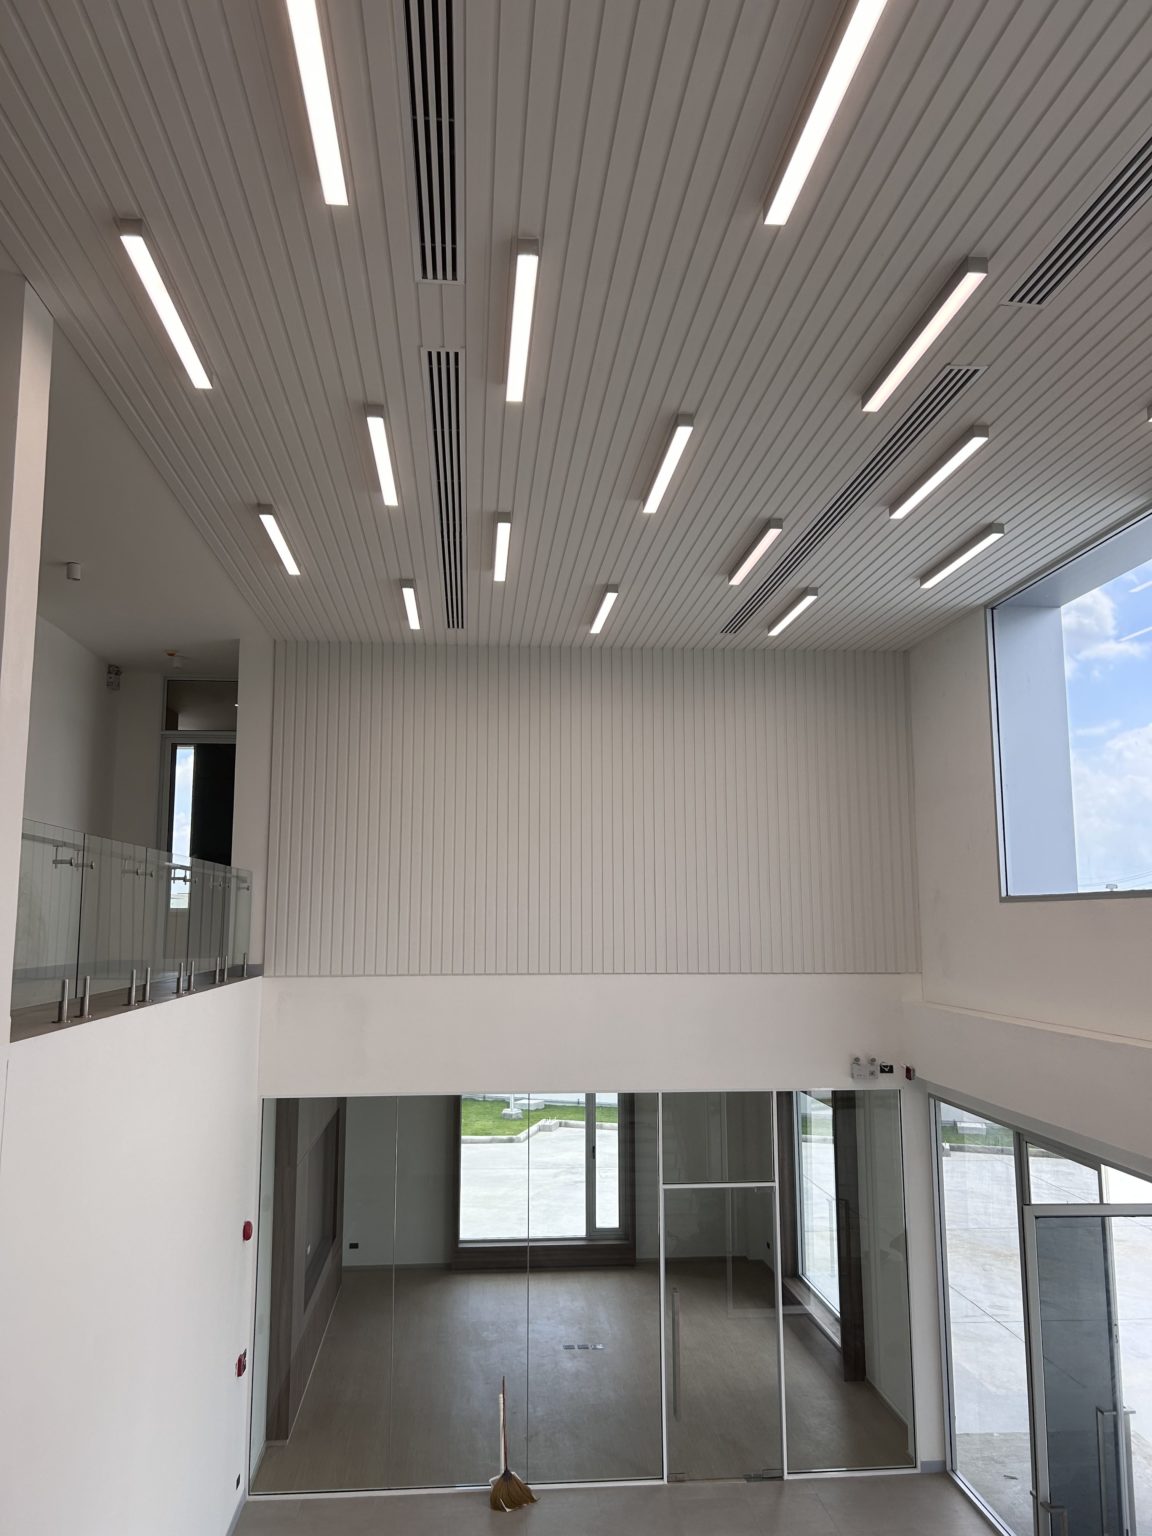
<point>254,778</point>
<point>25,376</point>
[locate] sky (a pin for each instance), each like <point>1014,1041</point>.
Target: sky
<point>1108,668</point>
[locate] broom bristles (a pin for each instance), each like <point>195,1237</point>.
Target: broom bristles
<point>510,1492</point>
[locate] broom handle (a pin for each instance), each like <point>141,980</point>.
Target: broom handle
<point>503,1428</point>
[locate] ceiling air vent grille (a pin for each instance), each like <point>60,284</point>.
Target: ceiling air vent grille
<point>921,415</point>
<point>428,28</point>
<point>444,406</point>
<point>1098,223</point>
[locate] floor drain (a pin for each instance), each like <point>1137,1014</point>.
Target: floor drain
<point>582,1346</point>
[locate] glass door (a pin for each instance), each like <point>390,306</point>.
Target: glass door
<point>721,1333</point>
<point>1090,1279</point>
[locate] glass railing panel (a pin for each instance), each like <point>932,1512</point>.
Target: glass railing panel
<point>112,912</point>
<point>48,913</point>
<point>239,919</point>
<point>121,923</point>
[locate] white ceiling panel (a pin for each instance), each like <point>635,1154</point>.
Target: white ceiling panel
<point>635,140</point>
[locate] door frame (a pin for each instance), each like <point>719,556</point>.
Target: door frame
<point>772,1184</point>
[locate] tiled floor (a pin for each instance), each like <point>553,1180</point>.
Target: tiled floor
<point>854,1506</point>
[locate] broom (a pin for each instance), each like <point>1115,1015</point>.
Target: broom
<point>508,1490</point>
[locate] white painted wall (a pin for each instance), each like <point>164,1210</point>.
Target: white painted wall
<point>139,708</point>
<point>25,377</point>
<point>1081,962</point>
<point>399,1195</point>
<point>500,811</point>
<point>455,1034</point>
<point>1078,1085</point>
<point>1036,773</point>
<point>71,736</point>
<point>129,1164</point>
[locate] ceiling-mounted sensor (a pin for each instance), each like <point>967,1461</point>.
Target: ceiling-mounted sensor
<point>73,570</point>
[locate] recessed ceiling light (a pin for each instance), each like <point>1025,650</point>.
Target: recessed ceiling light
<point>974,438</point>
<point>795,609</point>
<point>410,608</point>
<point>134,242</point>
<point>681,432</point>
<point>272,529</point>
<point>383,458</point>
<point>967,551</point>
<point>305,24</point>
<point>835,83</point>
<point>605,608</point>
<point>500,565</point>
<point>949,304</point>
<point>523,299</point>
<point>772,531</point>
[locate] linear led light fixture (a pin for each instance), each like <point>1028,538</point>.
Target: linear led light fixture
<point>408,591</point>
<point>375,418</point>
<point>837,79</point>
<point>135,242</point>
<point>795,609</point>
<point>523,299</point>
<point>773,528</point>
<point>948,305</point>
<point>605,608</point>
<point>968,551</point>
<point>500,565</point>
<point>305,24</point>
<point>272,529</point>
<point>681,432</point>
<point>974,438</point>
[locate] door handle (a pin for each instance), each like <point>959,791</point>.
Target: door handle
<point>1054,1512</point>
<point>675,1351</point>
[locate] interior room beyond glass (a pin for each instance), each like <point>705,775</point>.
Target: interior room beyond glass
<point>667,1283</point>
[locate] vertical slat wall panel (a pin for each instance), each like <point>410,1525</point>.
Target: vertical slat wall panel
<point>500,811</point>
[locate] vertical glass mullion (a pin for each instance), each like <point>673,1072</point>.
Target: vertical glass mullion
<point>591,1172</point>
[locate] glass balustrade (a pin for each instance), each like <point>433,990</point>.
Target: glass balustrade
<point>103,924</point>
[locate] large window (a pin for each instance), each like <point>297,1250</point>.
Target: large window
<point>1073,665</point>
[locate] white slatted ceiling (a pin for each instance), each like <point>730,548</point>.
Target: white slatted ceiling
<point>636,140</point>
<point>527,810</point>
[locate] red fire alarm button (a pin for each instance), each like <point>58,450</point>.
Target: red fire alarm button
<point>247,1231</point>
<point>242,1363</point>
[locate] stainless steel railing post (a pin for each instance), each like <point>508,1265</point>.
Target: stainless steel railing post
<point>147,983</point>
<point>86,999</point>
<point>62,1007</point>
<point>130,1000</point>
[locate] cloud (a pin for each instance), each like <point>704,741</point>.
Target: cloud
<point>1112,793</point>
<point>1113,650</point>
<point>1098,730</point>
<point>1090,625</point>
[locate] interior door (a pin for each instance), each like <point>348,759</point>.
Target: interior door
<point>1083,1432</point>
<point>721,1331</point>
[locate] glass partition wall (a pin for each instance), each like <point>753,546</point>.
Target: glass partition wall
<point>628,1262</point>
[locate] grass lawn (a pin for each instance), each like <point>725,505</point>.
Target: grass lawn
<point>482,1117</point>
